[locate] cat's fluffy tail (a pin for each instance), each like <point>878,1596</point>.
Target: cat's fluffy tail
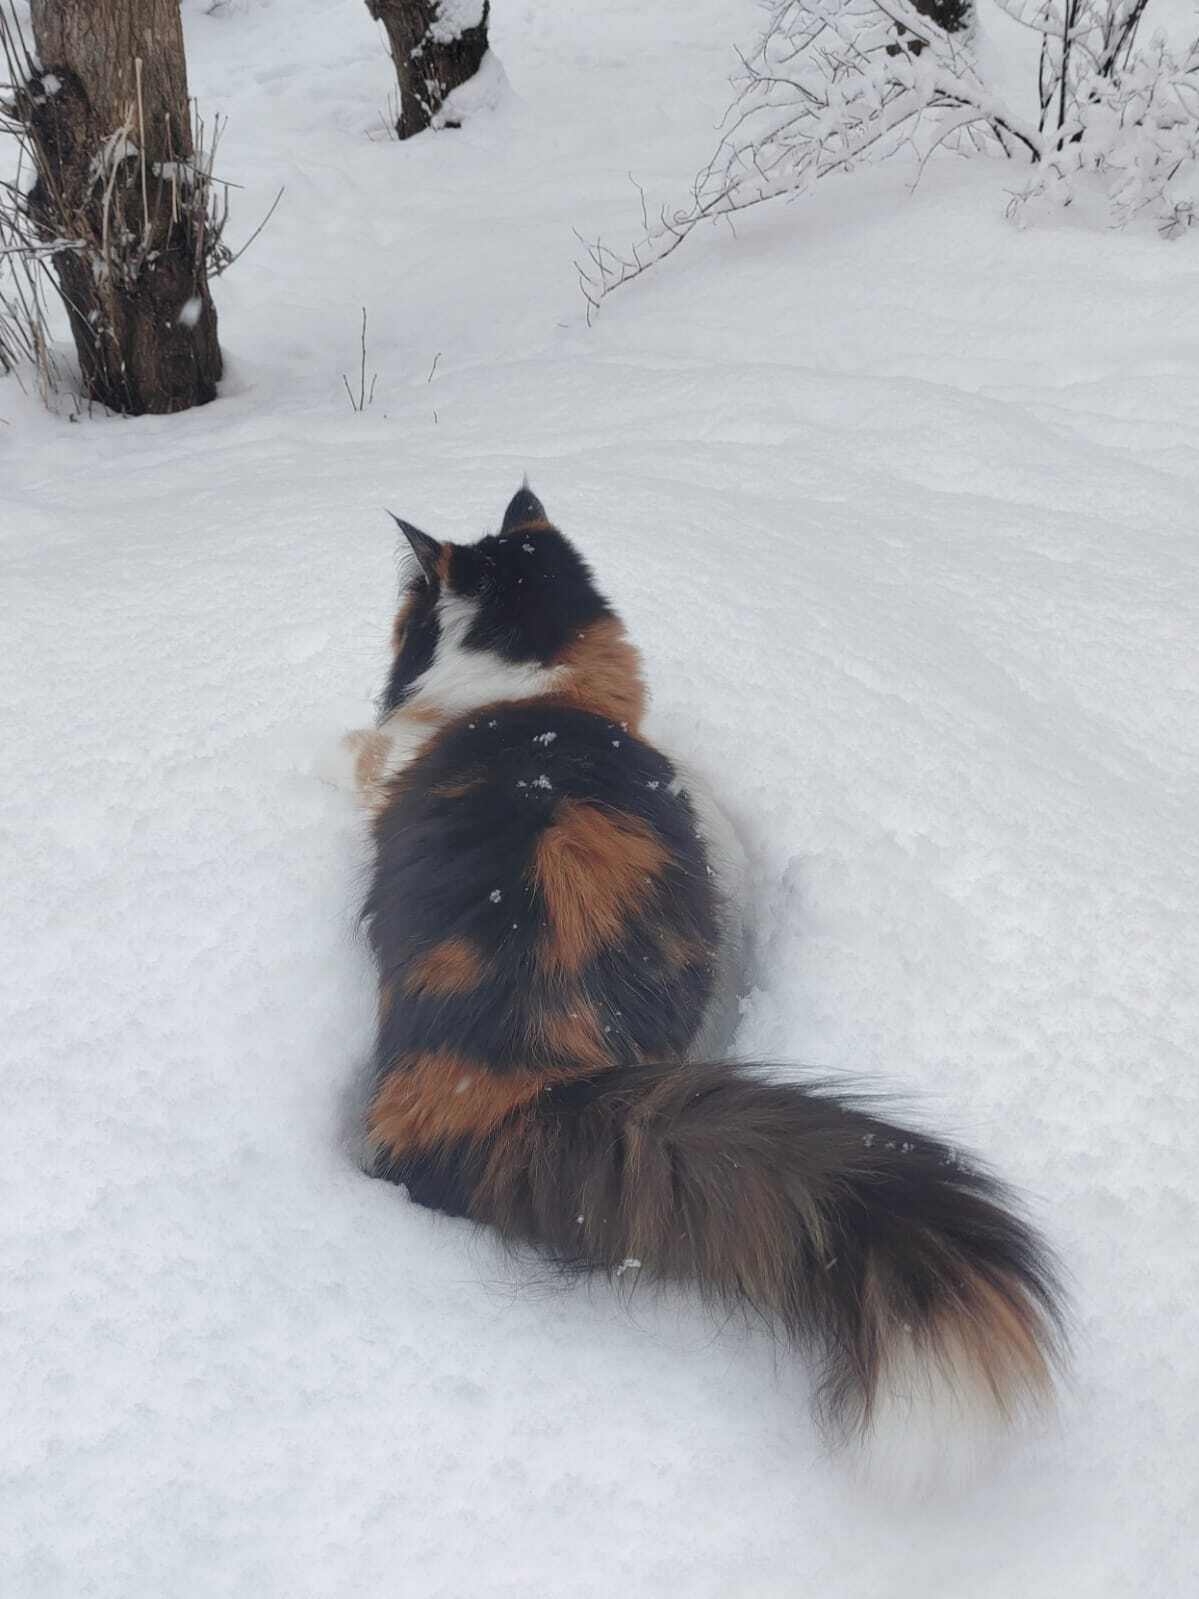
<point>899,1263</point>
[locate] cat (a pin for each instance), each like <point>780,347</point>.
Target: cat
<point>554,912</point>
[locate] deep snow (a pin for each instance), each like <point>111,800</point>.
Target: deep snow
<point>901,503</point>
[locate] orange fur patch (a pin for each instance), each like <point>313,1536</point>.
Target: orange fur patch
<point>401,623</point>
<point>452,967</point>
<point>574,1037</point>
<point>439,1097</point>
<point>372,747</point>
<point>605,674</point>
<point>994,1330</point>
<point>678,951</point>
<point>420,712</point>
<point>593,868</point>
<point>388,988</point>
<point>457,790</point>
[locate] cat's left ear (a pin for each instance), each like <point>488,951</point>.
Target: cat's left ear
<point>426,549</point>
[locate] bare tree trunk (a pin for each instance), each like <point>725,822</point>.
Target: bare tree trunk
<point>117,175</point>
<point>952,15</point>
<point>437,45</point>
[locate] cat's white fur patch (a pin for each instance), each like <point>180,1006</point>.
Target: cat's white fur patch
<point>458,681</point>
<point>461,680</point>
<point>935,1426</point>
<point>405,737</point>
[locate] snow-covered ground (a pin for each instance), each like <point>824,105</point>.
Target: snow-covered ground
<point>901,503</point>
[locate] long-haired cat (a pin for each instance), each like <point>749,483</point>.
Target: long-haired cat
<point>553,920</point>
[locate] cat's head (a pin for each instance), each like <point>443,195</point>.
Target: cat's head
<point>514,616</point>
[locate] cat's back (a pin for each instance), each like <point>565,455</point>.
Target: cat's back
<point>542,895</point>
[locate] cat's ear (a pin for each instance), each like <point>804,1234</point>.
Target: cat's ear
<point>524,508</point>
<point>426,550</point>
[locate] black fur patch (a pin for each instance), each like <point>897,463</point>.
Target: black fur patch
<point>441,1179</point>
<point>534,591</point>
<point>421,633</point>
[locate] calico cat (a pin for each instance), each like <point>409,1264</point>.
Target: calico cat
<point>554,918</point>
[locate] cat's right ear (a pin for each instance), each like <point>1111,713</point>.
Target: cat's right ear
<point>524,510</point>
<point>427,551</point>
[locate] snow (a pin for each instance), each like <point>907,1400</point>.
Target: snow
<point>454,18</point>
<point>486,91</point>
<point>900,502</point>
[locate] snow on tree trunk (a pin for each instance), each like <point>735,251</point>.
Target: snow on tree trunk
<point>118,176</point>
<point>437,46</point>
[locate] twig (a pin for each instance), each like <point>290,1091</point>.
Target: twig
<point>364,399</point>
<point>237,254</point>
<point>141,139</point>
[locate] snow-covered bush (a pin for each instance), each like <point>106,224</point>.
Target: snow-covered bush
<point>834,83</point>
<point>1120,120</point>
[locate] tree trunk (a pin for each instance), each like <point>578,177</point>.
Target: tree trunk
<point>437,45</point>
<point>952,15</point>
<point>111,129</point>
